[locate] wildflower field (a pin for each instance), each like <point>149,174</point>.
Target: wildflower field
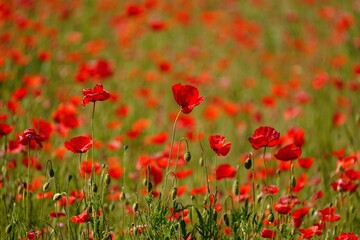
<point>159,119</point>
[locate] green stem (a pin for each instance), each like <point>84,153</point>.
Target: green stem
<point>27,186</point>
<point>266,178</point>
<point>172,140</point>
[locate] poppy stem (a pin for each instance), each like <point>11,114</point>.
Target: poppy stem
<point>264,156</point>
<point>92,137</point>
<point>28,185</point>
<point>172,140</point>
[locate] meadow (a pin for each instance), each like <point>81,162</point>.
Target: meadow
<point>156,119</point>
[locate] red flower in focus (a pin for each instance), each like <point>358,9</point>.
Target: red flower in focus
<point>80,144</point>
<point>264,137</point>
<point>5,129</point>
<point>288,153</point>
<point>81,218</point>
<point>97,94</point>
<point>225,171</point>
<point>217,143</point>
<point>267,233</point>
<point>187,97</point>
<point>347,236</point>
<point>29,135</point>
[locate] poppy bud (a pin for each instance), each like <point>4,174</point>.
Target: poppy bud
<point>94,187</point>
<point>235,188</point>
<point>56,196</point>
<point>271,217</point>
<point>111,206</point>
<point>293,181</point>
<point>8,228</point>
<point>248,163</point>
<point>135,206</point>
<point>149,187</point>
<point>226,219</point>
<point>46,186</point>
<point>122,196</point>
<point>126,147</point>
<point>51,172</point>
<point>144,182</point>
<point>69,177</point>
<point>107,179</point>
<point>201,162</point>
<point>173,193</point>
<point>187,156</point>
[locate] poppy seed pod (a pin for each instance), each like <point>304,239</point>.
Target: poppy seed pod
<point>187,156</point>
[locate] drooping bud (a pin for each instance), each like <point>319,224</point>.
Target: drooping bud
<point>271,217</point>
<point>107,179</point>
<point>226,219</point>
<point>173,193</point>
<point>293,182</point>
<point>135,206</point>
<point>46,186</point>
<point>56,196</point>
<point>187,156</point>
<point>248,163</point>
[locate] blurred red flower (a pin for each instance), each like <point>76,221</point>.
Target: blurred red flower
<point>328,215</point>
<point>218,145</point>
<point>29,135</point>
<point>267,233</point>
<point>288,153</point>
<point>347,236</point>
<point>80,144</point>
<point>81,218</point>
<point>5,129</point>
<point>96,94</point>
<point>264,137</point>
<point>187,97</point>
<point>225,171</point>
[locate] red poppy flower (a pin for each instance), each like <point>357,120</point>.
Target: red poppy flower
<point>308,233</point>
<point>306,163</point>
<point>288,153</point>
<point>30,135</point>
<point>217,143</point>
<point>264,137</point>
<point>225,171</point>
<point>267,233</point>
<point>81,218</point>
<point>347,236</point>
<point>5,129</point>
<point>80,144</point>
<point>270,189</point>
<point>97,94</point>
<point>282,208</point>
<point>328,215</point>
<point>187,97</point>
